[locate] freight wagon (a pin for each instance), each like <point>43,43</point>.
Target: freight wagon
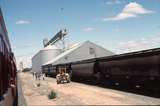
<point>137,68</point>
<point>140,68</point>
<point>51,70</point>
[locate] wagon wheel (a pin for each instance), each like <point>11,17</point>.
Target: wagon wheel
<point>100,78</point>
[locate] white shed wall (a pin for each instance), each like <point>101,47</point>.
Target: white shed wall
<point>47,55</point>
<point>83,52</point>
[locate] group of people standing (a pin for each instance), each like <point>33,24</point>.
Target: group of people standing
<point>38,76</point>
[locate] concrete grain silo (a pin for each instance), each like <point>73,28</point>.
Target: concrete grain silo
<point>44,55</point>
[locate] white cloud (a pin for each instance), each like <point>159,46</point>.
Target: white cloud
<point>120,16</point>
<point>110,2</point>
<point>88,29</point>
<point>136,45</point>
<point>131,10</point>
<point>23,22</point>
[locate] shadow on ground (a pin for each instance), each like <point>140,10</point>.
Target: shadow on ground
<point>117,86</point>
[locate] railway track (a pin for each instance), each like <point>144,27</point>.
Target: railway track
<point>137,89</point>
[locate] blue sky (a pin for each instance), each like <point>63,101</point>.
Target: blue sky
<point>118,25</point>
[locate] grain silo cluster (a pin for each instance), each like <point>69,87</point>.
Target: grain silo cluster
<point>52,55</point>
<point>44,55</point>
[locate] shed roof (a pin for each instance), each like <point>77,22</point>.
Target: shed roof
<point>68,52</point>
<point>64,53</point>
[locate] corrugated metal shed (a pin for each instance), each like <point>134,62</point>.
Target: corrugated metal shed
<point>83,51</point>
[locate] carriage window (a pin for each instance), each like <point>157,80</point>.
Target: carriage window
<point>0,44</point>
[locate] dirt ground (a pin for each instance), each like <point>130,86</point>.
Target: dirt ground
<point>77,94</point>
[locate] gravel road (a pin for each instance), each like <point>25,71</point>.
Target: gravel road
<point>77,94</point>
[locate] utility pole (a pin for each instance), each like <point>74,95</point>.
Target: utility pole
<point>21,66</point>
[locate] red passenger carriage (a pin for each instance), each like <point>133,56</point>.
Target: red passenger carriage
<point>7,68</point>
